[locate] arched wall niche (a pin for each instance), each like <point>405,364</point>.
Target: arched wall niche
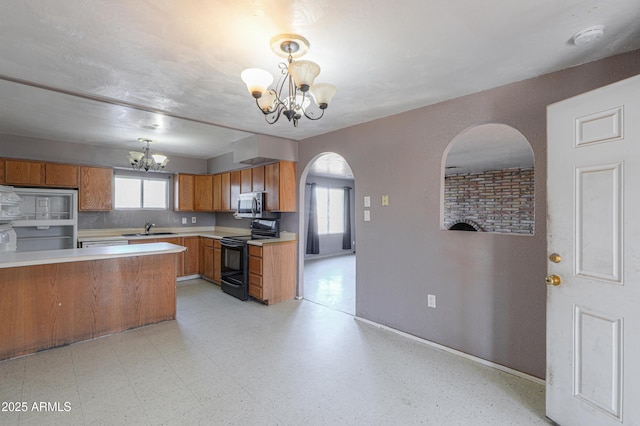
<point>488,181</point>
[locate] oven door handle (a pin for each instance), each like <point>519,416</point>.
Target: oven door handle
<point>231,244</point>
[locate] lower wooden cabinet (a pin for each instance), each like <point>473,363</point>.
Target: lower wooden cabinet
<point>180,259</point>
<point>272,272</point>
<point>217,261</point>
<point>206,269</point>
<point>191,256</point>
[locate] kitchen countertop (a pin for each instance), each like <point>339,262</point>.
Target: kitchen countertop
<point>17,259</point>
<point>115,234</point>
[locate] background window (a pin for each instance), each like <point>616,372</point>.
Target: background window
<point>330,203</point>
<point>141,193</point>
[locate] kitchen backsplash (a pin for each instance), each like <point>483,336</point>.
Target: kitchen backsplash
<point>138,218</point>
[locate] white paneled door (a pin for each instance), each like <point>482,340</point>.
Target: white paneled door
<point>593,225</point>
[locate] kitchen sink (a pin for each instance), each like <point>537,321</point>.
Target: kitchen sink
<point>150,234</point>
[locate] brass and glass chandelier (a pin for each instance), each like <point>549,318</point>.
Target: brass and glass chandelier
<point>292,94</point>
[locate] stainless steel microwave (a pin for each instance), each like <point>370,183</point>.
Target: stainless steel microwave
<point>253,205</point>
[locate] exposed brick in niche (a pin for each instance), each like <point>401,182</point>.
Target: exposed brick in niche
<point>497,200</point>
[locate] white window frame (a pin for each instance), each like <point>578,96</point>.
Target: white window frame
<point>328,216</point>
<point>142,178</point>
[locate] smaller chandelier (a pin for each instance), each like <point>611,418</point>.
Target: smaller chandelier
<point>291,96</point>
<point>145,160</point>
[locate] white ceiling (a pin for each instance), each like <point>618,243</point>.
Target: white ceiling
<point>109,72</point>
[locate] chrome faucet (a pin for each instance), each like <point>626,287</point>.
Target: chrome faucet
<point>148,226</point>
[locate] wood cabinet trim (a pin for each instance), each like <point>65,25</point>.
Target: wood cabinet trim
<point>61,175</point>
<point>184,192</point>
<point>95,189</point>
<point>203,193</point>
<point>24,172</point>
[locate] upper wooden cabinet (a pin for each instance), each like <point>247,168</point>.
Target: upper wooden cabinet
<point>257,178</point>
<point>23,172</point>
<point>225,192</point>
<point>234,189</point>
<point>217,193</point>
<point>61,175</point>
<point>38,173</point>
<point>280,185</point>
<point>203,193</point>
<point>245,181</point>
<point>184,192</point>
<point>96,189</point>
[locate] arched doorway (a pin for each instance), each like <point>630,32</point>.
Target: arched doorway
<point>327,233</point>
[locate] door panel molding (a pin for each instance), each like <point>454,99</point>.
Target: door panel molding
<point>599,230</point>
<point>603,126</point>
<point>598,360</point>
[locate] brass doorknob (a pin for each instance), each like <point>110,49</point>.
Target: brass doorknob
<point>553,280</point>
<point>555,258</point>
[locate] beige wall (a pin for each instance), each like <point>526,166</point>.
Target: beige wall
<point>490,287</point>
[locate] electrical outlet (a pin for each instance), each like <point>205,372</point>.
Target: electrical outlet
<point>193,219</point>
<point>367,215</point>
<point>367,201</point>
<point>431,300</point>
<point>184,220</point>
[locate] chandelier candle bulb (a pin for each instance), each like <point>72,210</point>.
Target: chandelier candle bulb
<point>267,101</point>
<point>304,73</point>
<point>322,94</point>
<point>257,81</point>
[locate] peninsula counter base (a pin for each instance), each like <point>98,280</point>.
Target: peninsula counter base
<point>49,305</point>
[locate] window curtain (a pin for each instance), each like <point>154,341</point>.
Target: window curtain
<point>346,236</point>
<point>313,242</point>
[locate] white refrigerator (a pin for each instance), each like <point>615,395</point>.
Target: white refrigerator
<point>48,219</point>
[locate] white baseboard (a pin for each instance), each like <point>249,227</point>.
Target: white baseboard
<point>455,352</point>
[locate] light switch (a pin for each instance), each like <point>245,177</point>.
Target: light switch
<point>193,219</point>
<point>431,300</point>
<point>367,201</point>
<point>184,220</point>
<point>367,215</point>
<point>385,200</point>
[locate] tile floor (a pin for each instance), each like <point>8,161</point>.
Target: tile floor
<point>241,363</point>
<point>331,282</point>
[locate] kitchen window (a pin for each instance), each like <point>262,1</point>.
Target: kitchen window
<point>133,192</point>
<point>330,205</point>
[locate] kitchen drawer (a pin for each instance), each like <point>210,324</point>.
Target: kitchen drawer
<point>255,265</point>
<point>255,286</point>
<point>207,242</point>
<point>255,251</point>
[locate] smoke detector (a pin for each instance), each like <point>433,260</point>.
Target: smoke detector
<point>588,35</point>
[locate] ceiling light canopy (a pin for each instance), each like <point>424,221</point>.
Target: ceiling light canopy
<point>291,96</point>
<point>145,160</point>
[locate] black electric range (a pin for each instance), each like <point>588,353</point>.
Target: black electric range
<point>235,258</point>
